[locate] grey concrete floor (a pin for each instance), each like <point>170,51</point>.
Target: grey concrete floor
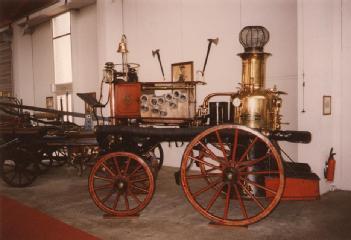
<point>64,195</point>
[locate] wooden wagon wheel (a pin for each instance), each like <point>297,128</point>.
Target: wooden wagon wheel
<point>121,184</point>
<point>240,149</point>
<point>18,167</point>
<point>227,185</point>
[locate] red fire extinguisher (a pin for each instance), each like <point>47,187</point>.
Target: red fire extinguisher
<point>330,167</point>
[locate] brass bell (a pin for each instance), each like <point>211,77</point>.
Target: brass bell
<point>122,46</point>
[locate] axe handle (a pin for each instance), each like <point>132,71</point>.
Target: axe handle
<point>159,60</point>
<point>208,52</point>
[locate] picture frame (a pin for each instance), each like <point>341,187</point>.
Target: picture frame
<point>183,72</point>
<point>326,105</point>
<point>50,102</point>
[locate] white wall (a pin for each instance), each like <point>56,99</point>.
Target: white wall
<point>43,63</point>
<point>344,115</point>
<point>324,53</point>
<point>84,55</point>
<point>22,66</point>
<point>109,30</point>
<point>33,67</point>
<point>180,30</point>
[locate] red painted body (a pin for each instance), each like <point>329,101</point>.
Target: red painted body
<point>127,100</point>
<point>295,188</point>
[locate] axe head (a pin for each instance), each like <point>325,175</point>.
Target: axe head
<point>214,40</point>
<point>154,52</point>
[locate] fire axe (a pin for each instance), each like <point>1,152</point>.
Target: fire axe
<point>157,52</point>
<point>210,41</point>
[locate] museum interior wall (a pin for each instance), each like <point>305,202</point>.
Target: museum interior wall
<point>343,135</point>
<point>84,55</point>
<point>42,60</point>
<point>303,40</point>
<point>22,65</point>
<point>323,31</point>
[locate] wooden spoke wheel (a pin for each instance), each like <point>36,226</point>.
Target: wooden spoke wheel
<point>227,182</point>
<point>18,167</point>
<point>121,184</point>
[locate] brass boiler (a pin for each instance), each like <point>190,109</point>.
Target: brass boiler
<point>255,106</point>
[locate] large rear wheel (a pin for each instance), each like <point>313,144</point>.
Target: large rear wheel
<point>227,182</point>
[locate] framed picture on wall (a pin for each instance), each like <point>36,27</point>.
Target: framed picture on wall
<point>326,105</point>
<point>183,72</point>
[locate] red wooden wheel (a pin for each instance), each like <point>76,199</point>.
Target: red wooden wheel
<point>227,182</point>
<point>121,184</point>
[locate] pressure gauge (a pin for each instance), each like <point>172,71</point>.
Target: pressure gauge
<point>236,102</point>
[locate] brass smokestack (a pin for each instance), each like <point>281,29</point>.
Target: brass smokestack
<point>253,39</point>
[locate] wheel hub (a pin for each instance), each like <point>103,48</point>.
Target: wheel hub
<point>230,175</point>
<point>120,185</point>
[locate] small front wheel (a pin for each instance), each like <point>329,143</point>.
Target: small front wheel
<point>121,184</point>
